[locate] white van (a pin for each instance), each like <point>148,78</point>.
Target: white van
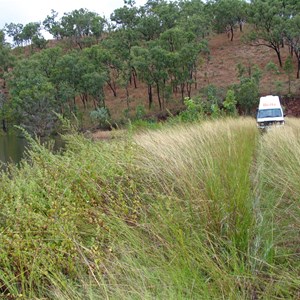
<point>269,112</point>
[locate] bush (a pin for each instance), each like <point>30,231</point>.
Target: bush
<point>230,103</point>
<point>140,112</point>
<point>101,116</point>
<point>193,111</point>
<point>247,94</point>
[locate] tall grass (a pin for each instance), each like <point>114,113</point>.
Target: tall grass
<point>182,212</point>
<point>278,208</point>
<point>197,230</point>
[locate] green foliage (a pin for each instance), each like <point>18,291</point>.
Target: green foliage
<point>241,69</point>
<point>101,116</point>
<point>212,100</point>
<point>278,87</point>
<point>58,214</point>
<point>247,94</point>
<point>140,125</point>
<point>247,91</point>
<point>272,68</point>
<point>289,69</point>
<point>15,32</point>
<point>230,103</point>
<point>274,71</point>
<point>256,74</point>
<point>6,57</point>
<point>33,100</point>
<point>228,14</point>
<point>272,24</point>
<point>193,111</point>
<point>78,25</point>
<point>140,112</point>
<point>52,25</point>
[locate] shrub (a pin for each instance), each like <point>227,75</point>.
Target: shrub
<point>101,116</point>
<point>193,111</point>
<point>140,112</point>
<point>230,103</point>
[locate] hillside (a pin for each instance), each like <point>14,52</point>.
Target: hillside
<point>221,70</point>
<point>218,69</point>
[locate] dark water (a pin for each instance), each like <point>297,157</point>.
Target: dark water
<point>12,148</point>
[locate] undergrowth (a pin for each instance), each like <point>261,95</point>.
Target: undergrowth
<point>189,211</point>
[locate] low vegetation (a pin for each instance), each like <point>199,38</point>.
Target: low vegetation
<point>207,210</point>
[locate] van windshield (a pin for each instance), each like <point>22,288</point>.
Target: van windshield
<point>269,113</point>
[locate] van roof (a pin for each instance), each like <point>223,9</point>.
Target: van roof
<point>268,102</point>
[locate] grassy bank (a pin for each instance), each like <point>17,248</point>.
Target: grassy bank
<point>202,211</point>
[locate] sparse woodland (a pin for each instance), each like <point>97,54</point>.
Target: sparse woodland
<point>160,49</point>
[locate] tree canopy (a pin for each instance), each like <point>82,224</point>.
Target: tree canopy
<point>160,45</point>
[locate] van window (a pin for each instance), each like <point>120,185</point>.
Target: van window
<point>269,113</point>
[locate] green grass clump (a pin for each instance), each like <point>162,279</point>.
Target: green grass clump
<point>53,212</point>
<point>196,233</point>
<point>277,208</point>
<point>198,211</point>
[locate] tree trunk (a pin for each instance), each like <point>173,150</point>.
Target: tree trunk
<point>83,98</point>
<point>189,89</point>
<point>182,92</point>
<point>134,75</point>
<point>127,96</point>
<point>291,50</point>
<point>4,125</point>
<point>158,96</point>
<point>278,56</point>
<point>150,95</point>
<point>195,78</point>
<point>113,88</point>
<point>231,30</point>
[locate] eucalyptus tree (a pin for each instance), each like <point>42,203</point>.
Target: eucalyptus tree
<point>125,36</point>
<point>168,12</point>
<point>125,17</point>
<point>184,50</point>
<point>70,68</point>
<point>32,103</point>
<point>30,30</point>
<point>102,64</point>
<point>105,61</point>
<point>31,34</point>
<point>52,25</point>
<point>195,17</point>
<point>7,60</point>
<point>50,66</point>
<point>82,26</point>
<point>268,18</point>
<point>77,75</point>
<point>152,66</point>
<point>14,31</point>
<point>148,24</point>
<point>292,31</point>
<point>228,14</point>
